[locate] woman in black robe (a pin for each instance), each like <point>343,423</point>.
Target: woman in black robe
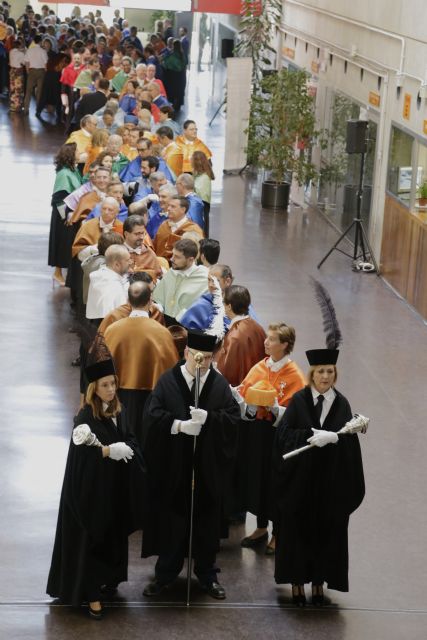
<point>98,509</point>
<point>61,237</point>
<point>316,492</point>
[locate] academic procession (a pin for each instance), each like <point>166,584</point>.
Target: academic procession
<point>215,428</point>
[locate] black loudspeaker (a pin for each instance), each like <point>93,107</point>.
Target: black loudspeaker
<point>356,136</point>
<point>227,48</point>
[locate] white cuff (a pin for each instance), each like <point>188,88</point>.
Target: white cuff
<point>279,416</point>
<point>175,425</point>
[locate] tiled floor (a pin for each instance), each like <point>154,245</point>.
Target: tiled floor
<point>382,369</point>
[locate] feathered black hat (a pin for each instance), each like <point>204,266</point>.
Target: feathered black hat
<point>331,328</point>
<point>99,361</point>
<point>201,341</point>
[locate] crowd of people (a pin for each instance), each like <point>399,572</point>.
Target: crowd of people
<point>185,398</point>
<point>61,61</point>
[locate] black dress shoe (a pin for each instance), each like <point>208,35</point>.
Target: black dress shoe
<point>108,589</point>
<point>318,600</point>
<point>214,589</point>
<point>298,596</point>
<point>95,614</point>
<point>155,588</point>
<point>253,542</point>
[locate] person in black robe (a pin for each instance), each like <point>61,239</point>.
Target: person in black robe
<point>169,425</point>
<point>316,492</point>
<point>98,507</point>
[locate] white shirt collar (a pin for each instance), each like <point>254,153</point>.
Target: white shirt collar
<point>329,395</point>
<point>236,319</point>
<point>139,250</point>
<point>186,272</point>
<point>276,365</point>
<point>101,194</point>
<point>104,226</point>
<point>138,313</point>
<point>189,378</point>
<point>176,225</point>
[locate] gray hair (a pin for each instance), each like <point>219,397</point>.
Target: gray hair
<point>156,176</point>
<point>169,190</point>
<point>186,180</point>
<point>112,104</point>
<point>112,201</point>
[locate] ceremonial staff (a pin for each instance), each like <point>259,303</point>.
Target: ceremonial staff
<point>358,424</point>
<point>199,358</point>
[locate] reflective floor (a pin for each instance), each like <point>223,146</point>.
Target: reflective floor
<point>382,370</point>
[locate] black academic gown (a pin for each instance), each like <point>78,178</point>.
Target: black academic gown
<point>169,464</point>
<point>97,512</point>
<point>315,493</point>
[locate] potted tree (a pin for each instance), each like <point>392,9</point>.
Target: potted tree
<point>422,195</point>
<point>281,127</point>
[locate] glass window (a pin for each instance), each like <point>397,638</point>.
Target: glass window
<point>340,171</point>
<point>421,186</point>
<point>399,179</point>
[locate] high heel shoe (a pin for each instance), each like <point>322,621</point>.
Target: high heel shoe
<point>298,595</point>
<point>56,282</point>
<point>317,597</point>
<point>95,614</point>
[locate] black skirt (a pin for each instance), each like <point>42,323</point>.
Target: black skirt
<point>61,237</point>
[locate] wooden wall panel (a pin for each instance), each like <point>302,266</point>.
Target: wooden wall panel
<point>404,253</point>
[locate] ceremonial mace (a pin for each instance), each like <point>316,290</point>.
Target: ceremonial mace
<point>358,424</point>
<point>199,358</point>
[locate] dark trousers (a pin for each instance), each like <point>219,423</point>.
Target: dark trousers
<point>169,565</point>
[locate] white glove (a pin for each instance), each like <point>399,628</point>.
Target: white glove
<point>153,197</point>
<point>120,451</point>
<point>321,438</point>
<point>236,394</point>
<point>190,427</point>
<point>198,415</point>
<point>275,409</point>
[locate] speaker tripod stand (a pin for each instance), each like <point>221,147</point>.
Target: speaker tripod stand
<point>362,248</point>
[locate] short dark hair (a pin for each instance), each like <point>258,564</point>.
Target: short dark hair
<point>210,248</point>
<point>140,276</point>
<point>139,294</point>
<point>147,142</point>
<point>225,270</point>
<point>37,39</point>
<point>239,298</point>
<point>167,109</point>
<point>104,84</point>
<point>165,131</point>
<point>187,124</point>
<point>107,239</point>
<point>133,221</point>
<point>183,202</point>
<point>153,162</point>
<point>187,247</point>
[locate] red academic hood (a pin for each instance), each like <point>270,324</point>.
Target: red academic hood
<point>234,7</point>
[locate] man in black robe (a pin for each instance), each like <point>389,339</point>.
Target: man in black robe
<point>169,427</point>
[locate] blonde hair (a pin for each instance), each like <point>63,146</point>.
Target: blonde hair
<point>100,138</point>
<point>95,402</point>
<point>285,333</point>
<point>313,369</point>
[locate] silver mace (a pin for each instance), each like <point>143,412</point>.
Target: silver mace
<point>199,358</point>
<point>358,424</point>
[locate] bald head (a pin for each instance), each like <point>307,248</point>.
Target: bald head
<point>139,295</point>
<point>117,258</point>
